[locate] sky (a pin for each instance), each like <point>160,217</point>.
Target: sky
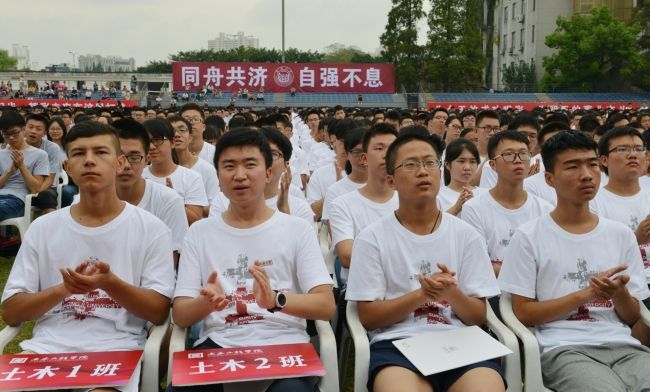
<point>152,29</point>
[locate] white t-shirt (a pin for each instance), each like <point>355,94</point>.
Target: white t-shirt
<point>207,153</point>
<point>339,188</point>
<point>352,213</point>
<point>545,262</point>
<point>36,161</point>
<point>287,243</point>
<point>320,181</point>
<point>628,210</point>
<point>297,207</point>
<point>489,177</point>
<point>536,185</point>
<point>645,182</point>
<point>187,183</point>
<point>496,223</point>
<point>447,197</point>
<point>136,244</point>
<point>167,206</point>
<point>387,259</point>
<point>209,176</point>
<point>319,155</point>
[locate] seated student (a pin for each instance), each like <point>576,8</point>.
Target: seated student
<point>193,113</point>
<point>497,213</point>
<point>155,198</point>
<point>23,167</point>
<point>460,164</point>
<point>623,157</point>
<point>576,277</point>
<point>487,125</point>
<point>277,193</point>
<point>35,136</point>
<point>353,211</point>
<point>536,184</point>
<point>268,275</point>
<point>352,143</point>
<point>405,289</point>
<point>645,180</point>
<point>165,171</point>
<point>114,254</point>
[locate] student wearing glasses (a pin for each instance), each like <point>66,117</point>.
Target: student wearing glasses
<point>193,113</point>
<point>487,125</point>
<point>497,213</point>
<point>164,171</point>
<point>23,168</point>
<point>403,289</point>
<point>623,157</point>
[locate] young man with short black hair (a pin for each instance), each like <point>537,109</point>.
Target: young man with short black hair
<point>577,278</point>
<point>35,136</point>
<point>403,289</point>
<point>193,113</point>
<point>268,276</point>
<point>113,258</point>
<point>487,125</point>
<point>497,213</point>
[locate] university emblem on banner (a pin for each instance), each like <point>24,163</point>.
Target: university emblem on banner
<point>283,76</point>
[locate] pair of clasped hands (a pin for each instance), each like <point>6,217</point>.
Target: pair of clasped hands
<point>90,275</point>
<point>437,285</point>
<point>214,294</point>
<point>605,287</point>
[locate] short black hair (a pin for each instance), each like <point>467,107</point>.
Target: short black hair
<point>465,131</point>
<point>158,128</point>
<point>240,137</point>
<point>588,123</point>
<point>11,118</point>
<point>340,127</point>
<point>487,114</point>
<point>282,142</point>
<point>402,139</point>
<point>524,120</point>
<point>551,127</point>
<point>352,138</point>
<point>192,106</point>
<point>216,121</point>
<point>90,129</point>
<point>504,135</point>
<point>128,128</point>
<point>376,130</point>
<point>176,118</point>
<point>563,141</point>
<point>393,115</point>
<point>603,142</point>
<point>556,117</point>
<point>39,118</point>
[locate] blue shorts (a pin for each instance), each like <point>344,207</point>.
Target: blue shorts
<point>384,353</point>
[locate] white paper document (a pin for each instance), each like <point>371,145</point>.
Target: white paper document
<point>440,351</point>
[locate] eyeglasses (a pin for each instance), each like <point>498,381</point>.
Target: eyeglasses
<point>195,120</point>
<point>276,155</point>
<point>455,126</point>
<point>627,149</point>
<point>356,152</point>
<point>158,141</point>
<point>134,158</point>
<point>8,134</point>
<point>510,156</point>
<point>490,129</point>
<point>413,164</point>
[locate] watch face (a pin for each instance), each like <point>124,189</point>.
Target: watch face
<point>281,300</point>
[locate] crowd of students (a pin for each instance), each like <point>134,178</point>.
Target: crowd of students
<point>430,213</point>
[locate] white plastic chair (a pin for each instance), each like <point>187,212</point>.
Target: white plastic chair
<point>21,222</point>
<point>326,345</point>
<point>511,363</point>
<point>63,181</point>
<point>150,357</point>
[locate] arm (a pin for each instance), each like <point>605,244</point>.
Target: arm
<point>31,306</point>
<point>47,182</point>
<point>470,310</point>
<point>193,213</point>
<point>532,312</point>
<point>317,207</point>
<point>7,175</point>
<point>384,313</point>
<point>344,252</point>
<point>188,311</point>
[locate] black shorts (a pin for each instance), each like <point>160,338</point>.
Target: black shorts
<point>46,199</point>
<point>384,353</point>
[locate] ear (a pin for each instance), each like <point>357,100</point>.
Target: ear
<point>603,160</point>
<point>269,171</point>
<point>492,164</point>
<point>390,180</point>
<point>550,180</point>
<point>121,161</point>
<point>363,159</point>
<point>448,166</point>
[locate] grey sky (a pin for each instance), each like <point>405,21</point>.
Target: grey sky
<point>152,29</point>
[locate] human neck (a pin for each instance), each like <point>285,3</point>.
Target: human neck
<point>196,145</point>
<point>623,187</point>
<point>377,189</point>
<point>510,195</point>
<point>358,176</point>
<point>163,169</point>
<point>574,217</point>
<point>457,185</point>
<point>132,193</point>
<point>186,158</point>
<point>87,213</point>
<point>272,189</point>
<point>246,216</point>
<point>37,144</point>
<point>419,218</point>
<point>482,151</point>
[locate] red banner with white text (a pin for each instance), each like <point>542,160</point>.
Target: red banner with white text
<point>33,372</point>
<point>281,78</point>
<point>200,367</point>
<point>65,103</point>
<point>531,105</point>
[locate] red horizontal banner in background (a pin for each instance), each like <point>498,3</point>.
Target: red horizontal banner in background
<point>65,103</point>
<point>281,78</point>
<point>531,105</point>
<point>200,367</point>
<point>30,372</point>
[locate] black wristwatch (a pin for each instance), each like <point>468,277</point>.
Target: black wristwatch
<point>280,301</point>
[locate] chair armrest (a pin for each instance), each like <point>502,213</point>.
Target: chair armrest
<point>327,347</point>
<point>532,365</point>
<point>7,335</point>
<point>176,344</point>
<point>512,362</point>
<point>151,357</point>
<point>361,347</point>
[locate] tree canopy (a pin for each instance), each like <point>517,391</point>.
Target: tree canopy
<point>7,62</point>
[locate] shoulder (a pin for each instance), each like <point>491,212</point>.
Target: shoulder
<point>161,192</point>
<point>188,173</point>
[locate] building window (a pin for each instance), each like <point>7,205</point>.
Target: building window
<point>513,40</point>
<point>532,36</point>
<point>505,15</point>
<point>514,10</point>
<point>522,38</point>
<point>505,43</point>
<point>533,5</point>
<point>523,7</point>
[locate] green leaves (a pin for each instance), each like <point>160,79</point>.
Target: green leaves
<point>6,62</point>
